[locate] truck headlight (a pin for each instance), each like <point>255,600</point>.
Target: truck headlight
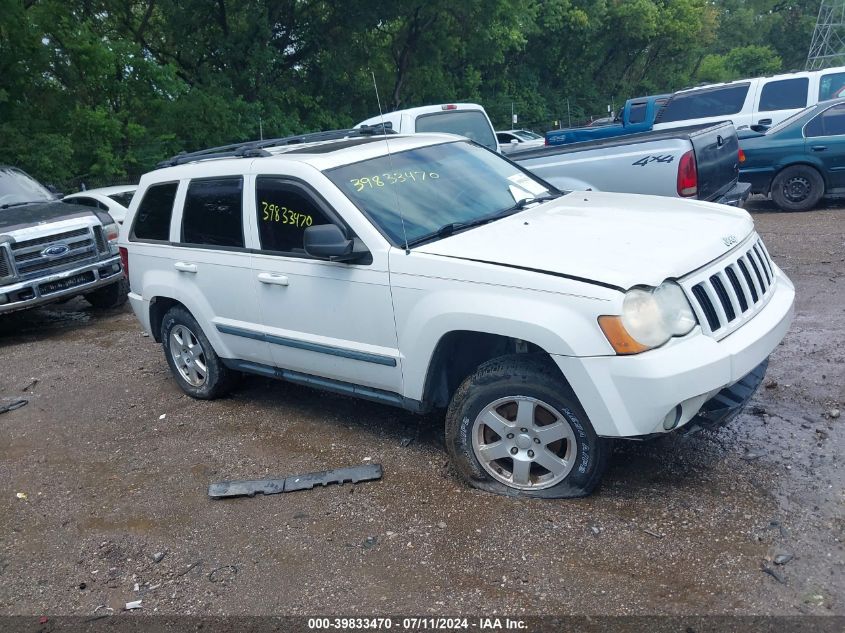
<point>111,231</point>
<point>650,317</point>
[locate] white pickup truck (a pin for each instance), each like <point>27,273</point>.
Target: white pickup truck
<point>426,272</point>
<point>700,162</point>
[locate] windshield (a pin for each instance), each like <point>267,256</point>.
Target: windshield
<point>525,135</point>
<point>17,188</point>
<point>470,123</point>
<point>434,186</point>
<point>778,127</point>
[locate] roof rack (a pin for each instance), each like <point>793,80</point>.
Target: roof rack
<point>255,149</point>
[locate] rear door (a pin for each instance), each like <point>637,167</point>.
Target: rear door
<point>825,142</point>
<point>778,99</point>
<point>211,268</point>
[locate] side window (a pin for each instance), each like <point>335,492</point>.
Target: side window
<point>152,222</point>
<point>637,114</point>
<point>284,211</point>
<point>213,213</point>
<point>785,94</point>
<point>708,102</point>
<point>831,122</point>
<point>504,138</point>
<point>831,85</point>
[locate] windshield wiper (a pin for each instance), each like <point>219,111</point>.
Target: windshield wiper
<point>453,227</point>
<point>18,204</point>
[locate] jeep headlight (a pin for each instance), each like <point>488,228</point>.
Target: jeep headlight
<point>650,317</point>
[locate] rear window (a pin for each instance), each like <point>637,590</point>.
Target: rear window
<point>830,86</point>
<point>152,222</point>
<point>785,94</point>
<point>124,198</point>
<point>705,103</point>
<point>831,122</point>
<point>213,213</point>
<point>469,123</point>
<point>637,114</point>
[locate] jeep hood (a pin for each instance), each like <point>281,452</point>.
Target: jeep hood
<point>614,239</point>
<point>33,214</point>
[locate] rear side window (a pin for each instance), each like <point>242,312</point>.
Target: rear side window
<point>830,86</point>
<point>469,123</point>
<point>213,213</point>
<point>284,211</point>
<point>152,222</point>
<point>124,198</point>
<point>700,104</point>
<point>831,122</point>
<point>785,94</point>
<point>637,114</point>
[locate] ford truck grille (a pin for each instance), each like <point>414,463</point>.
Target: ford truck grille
<point>5,268</point>
<point>31,260</point>
<point>727,295</point>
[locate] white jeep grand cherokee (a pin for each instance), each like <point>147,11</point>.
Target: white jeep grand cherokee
<point>428,272</point>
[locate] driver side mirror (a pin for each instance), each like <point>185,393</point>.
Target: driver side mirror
<point>514,142</point>
<point>327,241</point>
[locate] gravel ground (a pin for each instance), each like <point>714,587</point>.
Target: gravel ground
<point>114,462</point>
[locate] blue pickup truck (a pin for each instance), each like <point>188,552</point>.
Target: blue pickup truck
<point>637,116</point>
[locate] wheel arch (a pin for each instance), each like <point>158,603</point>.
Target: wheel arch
<point>803,162</point>
<point>159,306</point>
<point>459,353</point>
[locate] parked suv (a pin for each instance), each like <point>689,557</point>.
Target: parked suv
<point>427,272</point>
<point>51,251</point>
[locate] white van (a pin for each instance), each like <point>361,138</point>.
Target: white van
<point>464,119</point>
<point>746,102</point>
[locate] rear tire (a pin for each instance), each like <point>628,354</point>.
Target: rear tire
<point>545,445</point>
<point>194,363</point>
<point>111,296</point>
<point>797,188</point>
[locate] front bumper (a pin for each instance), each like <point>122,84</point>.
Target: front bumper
<point>737,196</point>
<point>66,284</point>
<point>631,396</point>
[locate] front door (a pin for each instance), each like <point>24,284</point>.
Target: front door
<point>825,142</point>
<point>324,319</point>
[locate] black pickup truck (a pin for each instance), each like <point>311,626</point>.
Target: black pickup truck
<point>53,251</point>
<point>699,162</point>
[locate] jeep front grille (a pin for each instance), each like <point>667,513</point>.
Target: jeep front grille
<point>31,261</point>
<point>735,289</point>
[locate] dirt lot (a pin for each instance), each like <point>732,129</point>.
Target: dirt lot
<point>115,461</point>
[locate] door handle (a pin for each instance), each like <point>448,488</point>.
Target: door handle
<point>185,267</point>
<point>764,122</point>
<point>819,148</point>
<point>271,278</point>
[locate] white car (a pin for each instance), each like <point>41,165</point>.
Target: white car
<point>516,140</point>
<point>469,120</point>
<point>426,272</point>
<point>761,101</point>
<point>113,200</point>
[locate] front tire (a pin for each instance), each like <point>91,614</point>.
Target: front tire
<point>193,361</point>
<point>797,188</point>
<point>514,427</point>
<point>111,296</point>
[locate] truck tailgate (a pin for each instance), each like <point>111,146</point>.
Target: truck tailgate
<point>717,157</point>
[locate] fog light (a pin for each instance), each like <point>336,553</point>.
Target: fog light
<point>672,418</point>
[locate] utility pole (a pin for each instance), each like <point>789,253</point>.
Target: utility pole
<point>568,114</point>
<point>260,128</point>
<point>827,47</point>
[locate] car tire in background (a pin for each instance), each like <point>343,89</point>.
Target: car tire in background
<point>797,188</point>
<point>111,296</point>
<point>193,361</point>
<point>514,427</point>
